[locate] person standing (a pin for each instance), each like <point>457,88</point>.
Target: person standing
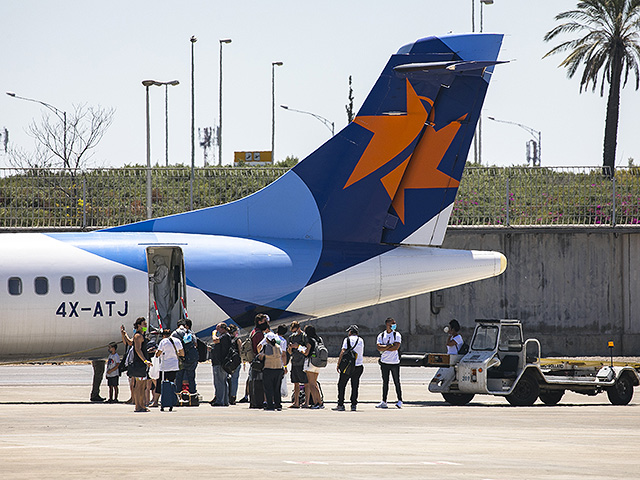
<point>273,370</point>
<point>188,370</point>
<point>140,365</point>
<point>388,344</point>
<point>233,378</point>
<point>256,388</point>
<point>113,374</point>
<point>313,397</point>
<point>454,342</point>
<point>356,344</point>
<point>297,342</point>
<point>169,352</point>
<point>219,352</point>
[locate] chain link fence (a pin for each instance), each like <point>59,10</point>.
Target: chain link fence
<point>488,196</point>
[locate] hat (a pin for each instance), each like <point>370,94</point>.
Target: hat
<point>271,336</point>
<point>353,328</point>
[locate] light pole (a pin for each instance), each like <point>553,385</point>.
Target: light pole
<point>173,83</point>
<point>327,123</point>
<point>58,113</point>
<point>193,123</point>
<point>147,84</point>
<point>273,108</point>
<point>536,134</point>
<point>477,138</point>
<point>223,41</point>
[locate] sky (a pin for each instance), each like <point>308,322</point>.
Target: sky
<point>97,53</point>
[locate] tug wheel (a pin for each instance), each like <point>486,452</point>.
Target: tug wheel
<point>526,392</point>
<point>622,391</point>
<point>458,398</point>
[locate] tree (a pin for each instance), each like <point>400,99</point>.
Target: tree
<point>349,106</point>
<point>64,141</point>
<point>609,46</point>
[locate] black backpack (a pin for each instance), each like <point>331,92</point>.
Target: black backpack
<point>464,349</point>
<point>348,361</point>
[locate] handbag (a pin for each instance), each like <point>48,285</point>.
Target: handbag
<point>180,358</point>
<point>232,361</point>
<point>348,360</point>
<point>257,364</point>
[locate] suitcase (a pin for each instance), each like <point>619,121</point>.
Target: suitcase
<point>168,397</point>
<point>256,393</point>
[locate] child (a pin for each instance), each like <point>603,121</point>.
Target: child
<point>113,374</point>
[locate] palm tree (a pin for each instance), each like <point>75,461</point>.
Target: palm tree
<point>610,44</point>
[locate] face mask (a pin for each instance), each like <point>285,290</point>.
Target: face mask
<point>144,329</point>
<point>263,326</point>
<point>393,327</point>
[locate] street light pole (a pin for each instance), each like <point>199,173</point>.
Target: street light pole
<point>536,134</point>
<point>193,123</point>
<point>173,83</point>
<point>327,123</point>
<point>147,84</point>
<point>273,108</point>
<point>58,113</point>
<point>223,41</point>
<point>477,138</point>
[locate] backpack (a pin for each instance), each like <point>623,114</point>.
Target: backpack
<point>127,360</point>
<point>464,349</point>
<point>246,351</point>
<point>348,361</point>
<point>231,361</point>
<point>320,355</point>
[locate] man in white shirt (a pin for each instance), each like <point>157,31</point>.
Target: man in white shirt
<point>388,344</point>
<point>355,343</point>
<point>454,342</point>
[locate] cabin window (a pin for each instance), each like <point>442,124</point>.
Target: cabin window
<point>15,286</point>
<point>119,284</point>
<point>41,285</point>
<point>67,285</point>
<point>93,284</point>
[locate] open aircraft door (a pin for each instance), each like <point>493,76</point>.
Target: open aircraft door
<point>167,286</point>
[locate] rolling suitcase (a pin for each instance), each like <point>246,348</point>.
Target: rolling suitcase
<point>256,392</point>
<point>168,396</point>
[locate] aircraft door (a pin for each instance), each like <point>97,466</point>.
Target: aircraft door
<point>167,286</point>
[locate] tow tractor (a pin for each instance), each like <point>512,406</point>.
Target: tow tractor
<point>499,362</point>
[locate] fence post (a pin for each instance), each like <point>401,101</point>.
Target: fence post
<point>84,201</point>
<point>613,203</point>
<point>507,200</point>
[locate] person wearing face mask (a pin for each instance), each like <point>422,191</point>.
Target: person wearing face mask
<point>255,381</point>
<point>140,365</point>
<point>388,344</point>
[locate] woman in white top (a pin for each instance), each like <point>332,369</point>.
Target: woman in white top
<point>454,342</point>
<point>168,351</point>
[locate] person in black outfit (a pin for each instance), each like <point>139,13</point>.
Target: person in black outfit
<point>356,344</point>
<point>140,365</point>
<point>219,352</point>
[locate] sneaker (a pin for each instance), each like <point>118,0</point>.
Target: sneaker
<point>353,408</point>
<point>382,405</point>
<point>317,407</point>
<point>97,399</point>
<point>339,408</point>
<point>399,404</point>
<point>243,400</point>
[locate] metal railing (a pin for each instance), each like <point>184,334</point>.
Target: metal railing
<point>488,196</point>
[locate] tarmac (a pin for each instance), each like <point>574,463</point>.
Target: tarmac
<point>51,430</point>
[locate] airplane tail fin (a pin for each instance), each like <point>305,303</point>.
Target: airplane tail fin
<point>391,175</point>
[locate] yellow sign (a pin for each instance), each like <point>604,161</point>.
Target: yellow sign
<point>252,158</point>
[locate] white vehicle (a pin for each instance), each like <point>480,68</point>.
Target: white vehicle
<point>500,362</point>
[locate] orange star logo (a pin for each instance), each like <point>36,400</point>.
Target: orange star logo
<point>391,135</point>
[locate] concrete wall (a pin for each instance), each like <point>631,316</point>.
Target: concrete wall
<point>573,288</point>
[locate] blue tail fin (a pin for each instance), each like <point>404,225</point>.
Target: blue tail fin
<point>390,176</point>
